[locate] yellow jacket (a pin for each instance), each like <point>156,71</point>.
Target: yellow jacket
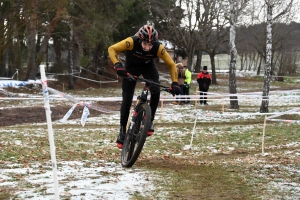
<point>140,57</point>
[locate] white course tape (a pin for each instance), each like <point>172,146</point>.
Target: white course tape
<point>84,116</point>
<point>68,114</point>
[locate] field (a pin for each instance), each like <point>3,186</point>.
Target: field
<point>197,152</point>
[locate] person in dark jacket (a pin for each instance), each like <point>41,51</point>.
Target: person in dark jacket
<point>204,81</point>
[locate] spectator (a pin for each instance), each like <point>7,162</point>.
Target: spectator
<point>181,79</point>
<point>204,81</point>
<point>187,83</point>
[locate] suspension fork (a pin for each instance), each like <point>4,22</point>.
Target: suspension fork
<point>131,115</point>
<point>140,99</point>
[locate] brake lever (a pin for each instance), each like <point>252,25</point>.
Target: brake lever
<point>130,77</point>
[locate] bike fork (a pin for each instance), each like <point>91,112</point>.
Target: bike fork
<point>132,122</point>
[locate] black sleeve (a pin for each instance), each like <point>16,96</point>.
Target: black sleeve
<point>209,82</point>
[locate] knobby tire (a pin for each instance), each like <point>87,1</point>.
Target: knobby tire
<point>134,141</point>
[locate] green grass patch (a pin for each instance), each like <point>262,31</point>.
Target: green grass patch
<point>180,179</point>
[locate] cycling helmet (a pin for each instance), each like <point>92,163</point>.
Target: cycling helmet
<point>148,34</point>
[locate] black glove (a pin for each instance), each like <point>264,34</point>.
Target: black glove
<point>121,71</point>
<point>175,88</point>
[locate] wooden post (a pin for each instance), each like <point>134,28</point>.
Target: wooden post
<point>263,138</point>
<point>161,109</point>
<point>193,132</point>
<point>196,101</point>
<point>222,103</point>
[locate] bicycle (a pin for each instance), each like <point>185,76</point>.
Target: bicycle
<point>138,126</point>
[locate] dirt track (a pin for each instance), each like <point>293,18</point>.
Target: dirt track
<point>12,116</point>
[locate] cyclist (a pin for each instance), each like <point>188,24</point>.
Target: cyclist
<point>140,53</point>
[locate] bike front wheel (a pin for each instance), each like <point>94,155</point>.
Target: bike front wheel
<point>136,137</point>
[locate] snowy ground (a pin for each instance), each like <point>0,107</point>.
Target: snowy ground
<point>108,180</point>
<point>101,181</point>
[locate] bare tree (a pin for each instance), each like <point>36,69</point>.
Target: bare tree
<point>194,26</point>
<point>178,24</point>
<point>8,20</point>
<point>71,52</point>
<point>214,31</point>
<point>31,24</point>
<point>234,104</point>
<point>235,10</point>
<point>284,8</point>
<point>46,26</point>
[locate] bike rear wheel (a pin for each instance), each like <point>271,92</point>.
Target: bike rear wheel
<point>136,137</point>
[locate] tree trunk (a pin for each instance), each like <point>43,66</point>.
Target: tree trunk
<point>70,58</point>
<point>251,58</point>
<point>31,42</point>
<point>33,69</point>
<point>57,43</point>
<point>256,59</point>
<point>234,104</point>
<point>96,57</point>
<point>76,56</point>
<point>264,108</point>
<point>242,62</point>
<point>213,67</point>
<point>259,65</point>
<point>2,64</point>
<point>190,58</point>
<point>199,60</point>
<point>245,62</point>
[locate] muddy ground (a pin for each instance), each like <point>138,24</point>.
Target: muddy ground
<point>13,116</point>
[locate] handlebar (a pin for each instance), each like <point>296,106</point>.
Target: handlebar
<point>136,78</point>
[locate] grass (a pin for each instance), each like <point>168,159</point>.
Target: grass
<point>225,160</point>
<point>196,173</point>
<point>6,193</point>
<point>190,181</point>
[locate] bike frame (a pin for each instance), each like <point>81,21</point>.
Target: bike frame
<point>138,125</point>
<point>143,97</point>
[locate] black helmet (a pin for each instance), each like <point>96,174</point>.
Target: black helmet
<point>148,34</point>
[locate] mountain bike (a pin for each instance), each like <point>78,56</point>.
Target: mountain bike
<point>138,126</point>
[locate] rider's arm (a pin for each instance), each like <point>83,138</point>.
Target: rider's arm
<point>121,46</point>
<point>165,56</point>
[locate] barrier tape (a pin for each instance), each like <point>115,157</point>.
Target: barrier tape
<point>85,112</point>
<point>113,74</point>
<point>84,116</point>
<point>285,120</point>
<point>283,113</point>
<point>69,97</point>
<point>114,81</point>
<point>68,114</point>
<point>13,83</point>
<point>163,97</point>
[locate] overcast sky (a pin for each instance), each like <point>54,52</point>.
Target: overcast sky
<point>259,12</point>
